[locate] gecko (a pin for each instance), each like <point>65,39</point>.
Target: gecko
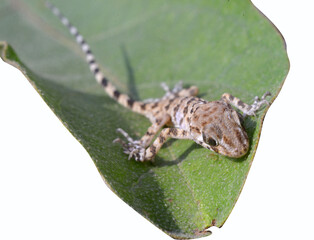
<point>179,114</point>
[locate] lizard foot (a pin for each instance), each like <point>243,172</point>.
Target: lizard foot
<point>169,93</point>
<point>132,147</point>
<point>257,104</point>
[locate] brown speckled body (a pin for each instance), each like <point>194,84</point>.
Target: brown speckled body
<point>198,120</point>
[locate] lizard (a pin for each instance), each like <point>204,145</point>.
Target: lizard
<point>214,125</point>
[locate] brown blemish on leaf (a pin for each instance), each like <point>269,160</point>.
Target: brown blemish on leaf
<point>214,222</point>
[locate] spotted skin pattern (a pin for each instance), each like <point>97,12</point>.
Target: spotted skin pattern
<point>214,125</point>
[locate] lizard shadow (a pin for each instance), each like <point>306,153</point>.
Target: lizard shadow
<point>132,89</point>
<point>130,72</point>
<point>161,162</point>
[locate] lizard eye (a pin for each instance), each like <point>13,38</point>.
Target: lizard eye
<point>210,141</point>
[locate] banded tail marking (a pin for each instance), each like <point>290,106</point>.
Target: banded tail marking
<point>121,98</point>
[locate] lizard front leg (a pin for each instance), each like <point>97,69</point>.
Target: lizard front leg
<point>246,108</point>
<point>134,149</point>
<point>162,138</point>
<point>179,91</point>
<point>153,129</point>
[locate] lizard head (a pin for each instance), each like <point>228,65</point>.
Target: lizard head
<point>224,133</point>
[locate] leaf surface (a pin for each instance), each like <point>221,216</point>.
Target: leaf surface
<point>219,46</point>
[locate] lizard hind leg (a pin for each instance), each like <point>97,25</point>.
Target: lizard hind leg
<point>179,91</point>
<point>170,93</point>
<point>177,88</point>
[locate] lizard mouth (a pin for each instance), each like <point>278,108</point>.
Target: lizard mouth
<point>235,153</point>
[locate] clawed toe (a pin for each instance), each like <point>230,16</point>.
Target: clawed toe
<point>171,92</point>
<point>258,103</point>
<point>132,147</point>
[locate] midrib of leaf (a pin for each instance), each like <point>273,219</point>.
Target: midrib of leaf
<point>188,185</point>
<point>201,211</point>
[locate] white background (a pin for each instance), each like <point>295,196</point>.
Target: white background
<point>50,188</point>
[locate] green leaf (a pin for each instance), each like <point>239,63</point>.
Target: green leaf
<point>219,46</point>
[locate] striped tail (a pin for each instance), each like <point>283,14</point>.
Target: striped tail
<point>121,98</point>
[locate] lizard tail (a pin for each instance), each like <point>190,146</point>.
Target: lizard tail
<point>110,89</point>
